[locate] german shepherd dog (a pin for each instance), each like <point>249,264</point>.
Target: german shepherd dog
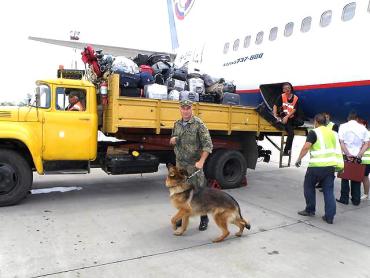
<point>191,202</point>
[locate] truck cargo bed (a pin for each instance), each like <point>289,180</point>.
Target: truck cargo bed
<point>159,115</point>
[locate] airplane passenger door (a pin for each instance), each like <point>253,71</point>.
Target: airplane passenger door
<point>69,134</point>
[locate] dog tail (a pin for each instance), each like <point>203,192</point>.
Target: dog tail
<point>243,221</point>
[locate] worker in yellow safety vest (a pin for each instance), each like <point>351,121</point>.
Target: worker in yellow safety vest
<point>325,159</point>
<point>365,159</point>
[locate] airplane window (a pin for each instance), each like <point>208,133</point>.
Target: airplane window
<point>349,11</point>
<point>259,37</point>
<point>273,34</point>
<point>247,41</point>
<point>306,24</point>
<point>288,29</point>
<point>226,47</point>
<point>326,18</point>
<point>236,45</point>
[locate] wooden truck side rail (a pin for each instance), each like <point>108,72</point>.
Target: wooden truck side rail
<point>128,112</point>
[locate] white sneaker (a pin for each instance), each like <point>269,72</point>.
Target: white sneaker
<point>364,197</point>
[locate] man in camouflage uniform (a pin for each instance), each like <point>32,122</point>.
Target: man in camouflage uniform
<point>192,145</point>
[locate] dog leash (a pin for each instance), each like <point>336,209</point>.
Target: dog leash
<point>192,175</point>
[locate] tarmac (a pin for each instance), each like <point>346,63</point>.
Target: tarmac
<point>119,226</point>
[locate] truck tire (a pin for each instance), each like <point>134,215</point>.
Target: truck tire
<point>15,178</point>
<point>210,164</point>
<point>229,169</point>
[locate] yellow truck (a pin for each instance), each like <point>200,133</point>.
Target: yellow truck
<point>46,138</point>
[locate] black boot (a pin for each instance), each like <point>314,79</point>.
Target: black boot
<point>203,225</point>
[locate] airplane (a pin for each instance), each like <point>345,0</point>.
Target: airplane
<point>321,47</point>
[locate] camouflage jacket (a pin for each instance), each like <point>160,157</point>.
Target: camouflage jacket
<point>192,139</point>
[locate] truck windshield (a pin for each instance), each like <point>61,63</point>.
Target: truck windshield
<point>41,97</point>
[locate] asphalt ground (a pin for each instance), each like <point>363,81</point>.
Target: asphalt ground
<point>119,226</point>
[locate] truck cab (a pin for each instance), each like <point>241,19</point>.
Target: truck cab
<point>45,136</point>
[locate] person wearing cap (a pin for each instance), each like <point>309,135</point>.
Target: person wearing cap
<point>192,145</point>
<point>74,102</point>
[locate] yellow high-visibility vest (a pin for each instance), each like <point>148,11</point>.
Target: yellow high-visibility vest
<point>326,150</point>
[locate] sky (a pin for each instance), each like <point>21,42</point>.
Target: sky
<point>137,24</point>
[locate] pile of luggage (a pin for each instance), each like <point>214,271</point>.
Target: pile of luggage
<point>156,77</point>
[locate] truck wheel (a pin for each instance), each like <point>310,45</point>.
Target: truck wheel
<point>15,177</point>
<point>229,169</point>
<point>210,164</point>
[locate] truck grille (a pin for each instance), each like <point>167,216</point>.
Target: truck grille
<point>5,114</point>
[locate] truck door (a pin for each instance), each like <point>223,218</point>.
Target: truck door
<point>70,129</point>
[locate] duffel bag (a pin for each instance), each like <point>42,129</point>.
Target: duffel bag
<point>229,88</point>
<point>180,74</point>
<point>210,98</point>
<point>145,79</point>
<point>146,68</point>
<point>141,59</point>
<point>156,57</point>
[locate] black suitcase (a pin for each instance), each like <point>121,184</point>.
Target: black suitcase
<point>129,92</point>
<point>209,98</point>
<point>267,114</point>
<point>129,80</point>
<point>127,164</point>
<point>231,99</point>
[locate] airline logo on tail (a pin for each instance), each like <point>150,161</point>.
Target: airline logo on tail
<point>182,8</point>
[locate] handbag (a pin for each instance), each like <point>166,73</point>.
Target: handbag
<point>352,171</point>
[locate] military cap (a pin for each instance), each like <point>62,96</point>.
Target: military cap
<point>186,102</point>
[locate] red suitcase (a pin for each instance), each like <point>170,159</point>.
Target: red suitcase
<point>352,171</point>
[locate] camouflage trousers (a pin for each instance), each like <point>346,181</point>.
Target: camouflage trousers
<point>197,180</point>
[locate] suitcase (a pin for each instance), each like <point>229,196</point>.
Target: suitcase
<point>193,96</point>
<point>231,99</point>
<point>155,91</point>
<point>267,114</point>
<point>352,171</point>
<point>175,84</point>
<point>129,80</point>
<point>196,85</point>
<point>127,164</point>
<point>146,68</point>
<point>209,98</point>
<point>156,57</point>
<point>145,79</point>
<point>174,95</point>
<point>129,92</point>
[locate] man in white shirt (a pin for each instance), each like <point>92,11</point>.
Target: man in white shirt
<point>353,138</point>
